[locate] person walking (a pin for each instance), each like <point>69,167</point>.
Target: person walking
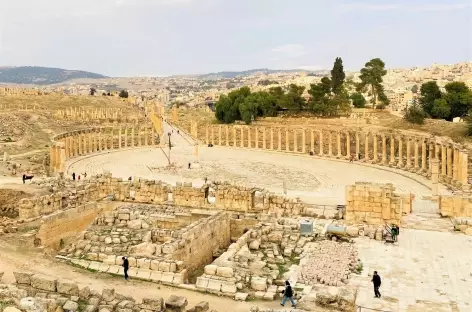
<point>377,281</point>
<point>125,267</point>
<point>288,295</point>
<point>73,176</point>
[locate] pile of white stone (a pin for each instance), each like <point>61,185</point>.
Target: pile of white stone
<point>327,262</point>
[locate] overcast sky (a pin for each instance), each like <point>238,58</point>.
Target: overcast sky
<point>166,37</point>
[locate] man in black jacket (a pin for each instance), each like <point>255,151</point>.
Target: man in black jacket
<point>377,282</point>
<point>288,294</point>
<point>125,267</point>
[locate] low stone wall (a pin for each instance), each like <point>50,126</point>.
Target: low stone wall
<point>455,206</point>
<point>37,292</point>
<point>375,204</point>
<point>56,229</point>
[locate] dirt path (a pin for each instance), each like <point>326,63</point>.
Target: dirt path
<point>14,258</point>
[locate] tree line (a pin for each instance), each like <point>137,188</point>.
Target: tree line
<point>330,97</point>
<point>433,103</point>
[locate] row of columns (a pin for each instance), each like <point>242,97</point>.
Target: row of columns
<point>97,140</point>
<point>411,153</point>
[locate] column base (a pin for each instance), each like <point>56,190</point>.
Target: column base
<point>400,165</point>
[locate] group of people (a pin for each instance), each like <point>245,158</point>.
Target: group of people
<point>78,177</point>
<point>288,291</point>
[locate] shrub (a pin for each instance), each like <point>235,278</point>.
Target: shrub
<point>414,114</point>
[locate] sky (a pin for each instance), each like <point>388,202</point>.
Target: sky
<point>170,37</point>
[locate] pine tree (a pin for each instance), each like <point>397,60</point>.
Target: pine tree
<point>337,76</point>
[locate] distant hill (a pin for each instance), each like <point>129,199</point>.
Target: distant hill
<point>42,75</point>
<point>233,74</point>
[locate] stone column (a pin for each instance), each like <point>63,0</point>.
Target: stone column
<point>443,161</point>
<point>435,177</point>
<point>400,152</point>
<point>280,140</point>
<point>338,141</point>
<point>256,143</point>
<point>52,158</point>
<point>376,153</point>
<point>312,141</point>
<point>126,137</point>
<point>287,142</point>
<point>330,144</point>
<point>295,140</point>
<point>348,145</point>
<point>146,137</point>
<point>321,143</point>
<point>119,137</point>
<point>219,135</point>
<point>132,137</point>
<point>207,136</point>
<point>358,146</point>
<point>408,153</point>
<point>195,150</point>
<point>455,165</point>
<point>271,138</point>
<point>227,135</point>
<point>430,154</point>
<point>366,146</point>
<point>242,137</point>
<point>234,137</point>
<point>264,138</point>
<point>423,155</point>
<point>384,150</point>
<point>449,162</point>
<point>465,168</point>
<point>81,147</point>
<point>303,141</point>
<point>140,136</point>
<point>417,156</point>
<point>392,150</point>
<point>249,137</point>
<point>212,135</point>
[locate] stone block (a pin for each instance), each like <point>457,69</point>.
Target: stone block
<point>202,282</point>
<point>259,284</point>
<point>167,277</point>
<point>176,304</point>
<point>67,287</point>
<point>115,269</point>
<point>108,294</point>
<point>144,274</point>
<point>144,263</point>
<point>155,276</point>
<point>178,279</point>
<point>202,306</point>
<point>214,285</point>
<point>210,269</point>
<point>153,304</point>
<point>70,306</point>
<point>240,296</point>
<point>104,267</point>
<point>228,287</point>
<point>23,277</point>
<point>94,265</point>
<point>43,282</point>
<point>225,272</point>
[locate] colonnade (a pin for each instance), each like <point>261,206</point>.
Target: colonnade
<point>84,142</point>
<point>407,152</point>
<point>74,113</point>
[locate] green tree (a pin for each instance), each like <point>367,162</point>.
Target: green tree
<point>459,98</point>
<point>123,94</point>
<point>320,95</point>
<point>414,89</point>
<point>371,78</point>
<point>429,92</point>
<point>293,99</point>
<point>441,109</point>
<point>337,76</point>
<point>358,100</point>
<point>415,114</point>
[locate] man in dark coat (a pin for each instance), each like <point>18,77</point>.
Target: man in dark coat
<point>376,280</point>
<point>288,295</point>
<point>125,267</point>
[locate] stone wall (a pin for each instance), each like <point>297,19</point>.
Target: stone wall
<point>37,292</point>
<point>455,206</point>
<point>57,229</point>
<point>375,204</point>
<point>397,149</point>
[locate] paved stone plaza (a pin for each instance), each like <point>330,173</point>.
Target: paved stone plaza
<point>426,271</point>
<point>317,181</point>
